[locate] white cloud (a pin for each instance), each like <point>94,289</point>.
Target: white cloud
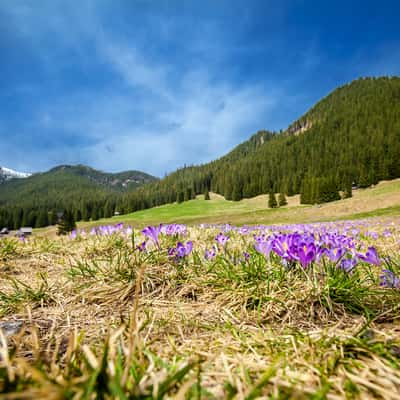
<point>158,114</point>
<point>134,69</point>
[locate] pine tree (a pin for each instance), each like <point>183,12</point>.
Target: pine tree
<point>206,195</point>
<point>272,203</point>
<point>327,189</point>
<point>78,215</point>
<point>108,209</point>
<point>333,190</point>
<point>314,189</point>
<point>85,212</point>
<point>31,219</point>
<point>372,177</point>
<point>363,181</point>
<point>53,219</point>
<point>282,199</point>
<point>290,189</point>
<point>42,219</point>
<point>180,197</point>
<point>305,192</point>
<point>188,194</point>
<point>348,189</point>
<point>95,213</point>
<point>17,218</point>
<point>228,188</point>
<point>67,223</point>
<point>236,195</point>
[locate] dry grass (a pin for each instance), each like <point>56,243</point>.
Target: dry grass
<point>104,321</point>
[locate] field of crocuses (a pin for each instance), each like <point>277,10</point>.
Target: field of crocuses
<point>203,312</point>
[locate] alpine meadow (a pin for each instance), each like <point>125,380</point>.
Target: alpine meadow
<point>264,264</point>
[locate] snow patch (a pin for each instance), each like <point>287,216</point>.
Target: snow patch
<point>8,173</point>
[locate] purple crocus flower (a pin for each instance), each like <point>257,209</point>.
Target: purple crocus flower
<point>282,247</point>
<point>371,256</point>
<point>264,247</point>
<point>171,252</point>
<point>336,254</point>
<point>210,254</point>
<point>348,264</point>
<point>306,253</point>
<point>389,279</point>
<point>387,233</point>
<point>153,232</point>
<point>321,251</point>
<point>142,246</point>
<point>373,235</point>
<point>221,239</point>
<point>180,251</point>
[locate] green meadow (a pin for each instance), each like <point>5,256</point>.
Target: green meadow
<point>381,200</point>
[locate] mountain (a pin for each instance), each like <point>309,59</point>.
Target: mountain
<point>350,136</point>
<point>7,174</point>
<point>77,187</point>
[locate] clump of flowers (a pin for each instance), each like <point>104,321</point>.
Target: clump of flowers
<point>174,229</point>
<point>308,247</point>
<point>180,251</point>
<point>106,230</point>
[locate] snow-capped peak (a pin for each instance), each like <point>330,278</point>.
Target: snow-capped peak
<point>8,173</point>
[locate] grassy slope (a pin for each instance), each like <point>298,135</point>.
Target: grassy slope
<point>383,199</point>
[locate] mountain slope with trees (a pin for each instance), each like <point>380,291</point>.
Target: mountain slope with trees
<point>352,136</point>
<point>88,193</point>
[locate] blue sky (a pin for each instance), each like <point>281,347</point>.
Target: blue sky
<point>153,85</point>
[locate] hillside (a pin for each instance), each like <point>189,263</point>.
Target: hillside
<point>91,193</point>
<point>350,136</point>
<point>69,181</point>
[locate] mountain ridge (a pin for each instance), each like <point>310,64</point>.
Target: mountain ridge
<point>123,179</point>
<point>119,180</point>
